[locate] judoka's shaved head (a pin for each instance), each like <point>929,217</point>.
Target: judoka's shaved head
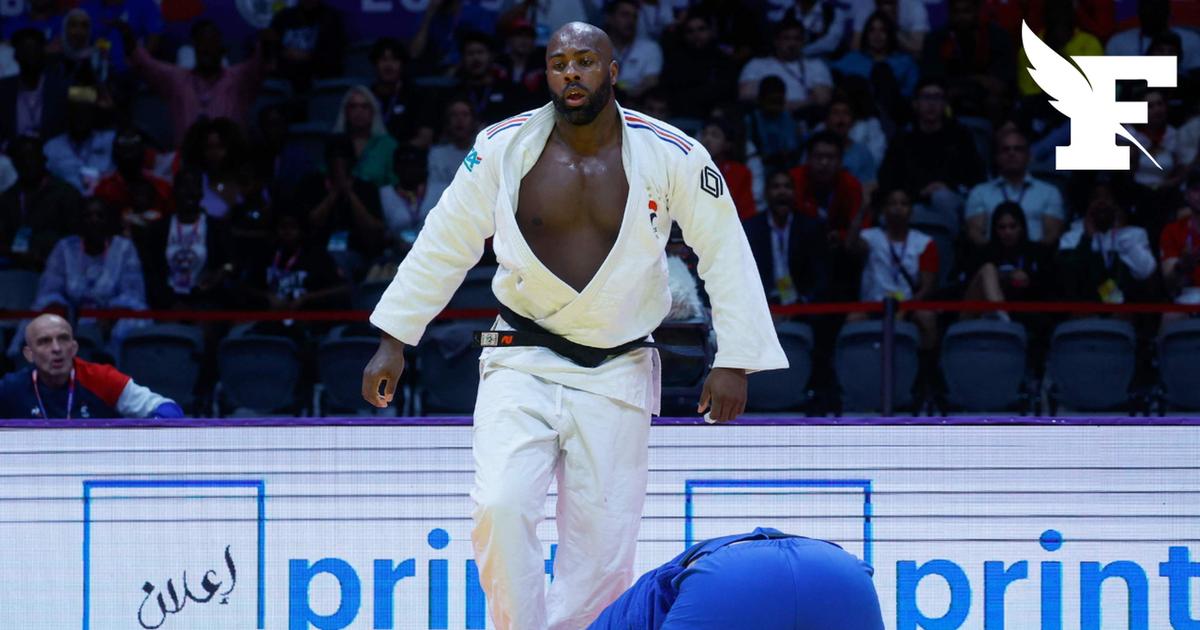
<point>576,36</point>
<point>580,71</point>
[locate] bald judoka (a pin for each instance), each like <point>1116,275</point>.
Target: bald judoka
<point>580,196</point>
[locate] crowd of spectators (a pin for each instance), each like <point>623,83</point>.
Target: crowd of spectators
<point>873,148</point>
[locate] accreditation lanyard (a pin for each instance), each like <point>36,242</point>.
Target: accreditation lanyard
<point>70,394</point>
<point>1020,197</point>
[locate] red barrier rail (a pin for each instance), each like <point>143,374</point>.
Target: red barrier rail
<point>832,308</point>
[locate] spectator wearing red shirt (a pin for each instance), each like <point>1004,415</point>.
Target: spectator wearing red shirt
<point>719,138</point>
<point>115,189</point>
<point>825,190</point>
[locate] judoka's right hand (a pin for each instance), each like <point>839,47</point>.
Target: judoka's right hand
<point>384,368</point>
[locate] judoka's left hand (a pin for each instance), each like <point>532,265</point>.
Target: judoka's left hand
<point>725,391</point>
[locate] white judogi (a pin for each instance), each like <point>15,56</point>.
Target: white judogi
<point>539,413</point>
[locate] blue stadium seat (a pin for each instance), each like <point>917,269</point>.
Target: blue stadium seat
<point>358,61</point>
<point>857,363</point>
<point>259,373</point>
<point>325,100</point>
<point>277,88</point>
<point>476,290</point>
<point>152,116</point>
<point>341,358</point>
<point>17,288</point>
<point>92,345</point>
<point>1091,364</point>
<point>785,390</point>
<point>983,363</point>
<point>366,295</point>
<point>309,138</point>
<point>683,377</point>
<point>435,82</point>
<point>447,366</point>
<point>165,358</point>
<point>1178,349</point>
<point>690,126</point>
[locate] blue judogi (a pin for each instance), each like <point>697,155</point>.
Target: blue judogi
<point>770,581</point>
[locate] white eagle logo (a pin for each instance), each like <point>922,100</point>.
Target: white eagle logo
<point>1087,95</point>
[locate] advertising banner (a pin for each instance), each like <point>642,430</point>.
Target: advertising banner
<point>1053,527</point>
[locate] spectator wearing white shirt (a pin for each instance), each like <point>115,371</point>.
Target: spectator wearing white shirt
<point>1154,17</point>
<point>824,22</point>
<point>901,262</point>
<point>1100,258</point>
<point>1156,186</point>
<point>1161,139</point>
<point>445,157</point>
<point>808,81</point>
<point>82,154</point>
<point>910,16</point>
<point>1041,202</point>
<point>639,60</point>
<point>403,203</point>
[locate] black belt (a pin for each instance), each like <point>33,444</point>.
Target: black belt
<point>528,333</point>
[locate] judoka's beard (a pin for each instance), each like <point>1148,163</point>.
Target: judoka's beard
<point>591,108</point>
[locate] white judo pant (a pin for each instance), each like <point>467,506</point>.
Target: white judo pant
<point>528,430</point>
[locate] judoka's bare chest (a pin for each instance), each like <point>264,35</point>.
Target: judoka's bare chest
<point>570,209</point>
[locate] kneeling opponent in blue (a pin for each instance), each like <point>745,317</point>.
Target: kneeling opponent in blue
<point>765,580</point>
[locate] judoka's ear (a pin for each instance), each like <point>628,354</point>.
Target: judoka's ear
<point>614,69</point>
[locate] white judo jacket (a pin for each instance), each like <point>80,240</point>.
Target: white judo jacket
<point>671,178</point>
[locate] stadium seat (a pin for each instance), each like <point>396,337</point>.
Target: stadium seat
<point>1091,365</point>
<point>690,126</point>
<point>857,360</point>
<point>92,346</point>
<point>435,82</point>
<point>784,390</point>
<point>152,116</point>
<point>277,88</point>
<point>341,358</point>
<point>325,100</point>
<point>983,363</point>
<point>17,288</point>
<point>165,358</point>
<point>683,377</point>
<point>476,290</point>
<point>1178,349</point>
<point>366,295</point>
<point>358,61</point>
<point>258,373</point>
<point>447,366</point>
<point>309,138</point>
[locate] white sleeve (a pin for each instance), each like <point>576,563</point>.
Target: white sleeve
<point>137,401</point>
<point>700,202</point>
<point>832,38</point>
<point>654,59</point>
<point>975,202</point>
<point>818,73</point>
<point>914,17</point>
<point>450,243</point>
<point>753,71</point>
<point>1054,205</point>
<point>1134,249</point>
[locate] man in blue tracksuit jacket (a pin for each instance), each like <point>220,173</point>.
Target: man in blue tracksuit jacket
<point>765,580</point>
